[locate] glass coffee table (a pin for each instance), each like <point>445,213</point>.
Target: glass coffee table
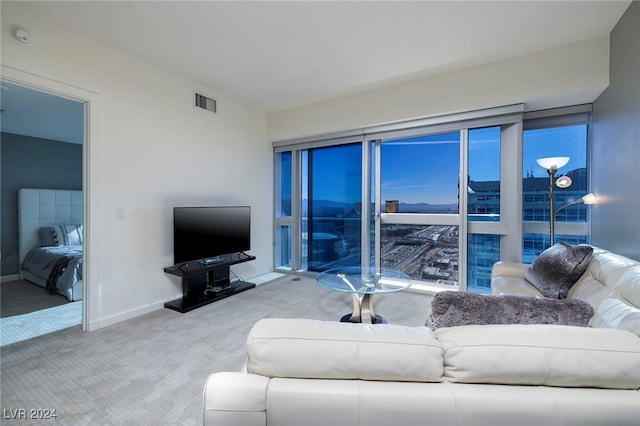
<point>363,284</point>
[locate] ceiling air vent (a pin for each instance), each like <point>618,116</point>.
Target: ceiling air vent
<point>205,102</point>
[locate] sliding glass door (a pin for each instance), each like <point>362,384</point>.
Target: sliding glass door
<point>331,207</point>
<point>439,199</point>
<point>418,205</point>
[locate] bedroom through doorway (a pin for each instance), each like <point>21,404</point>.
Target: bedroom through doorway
<point>43,144</point>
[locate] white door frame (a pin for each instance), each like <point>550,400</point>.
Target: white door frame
<point>90,179</point>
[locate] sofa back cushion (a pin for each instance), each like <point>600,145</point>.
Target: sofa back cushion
<point>600,278</point>
<point>622,309</point>
<point>547,355</point>
<point>301,348</point>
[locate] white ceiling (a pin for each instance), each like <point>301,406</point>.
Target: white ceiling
<point>278,55</point>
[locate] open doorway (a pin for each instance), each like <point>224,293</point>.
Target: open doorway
<point>43,144</point>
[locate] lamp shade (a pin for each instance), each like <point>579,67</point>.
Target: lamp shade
<point>590,198</point>
<point>564,182</point>
<point>552,163</point>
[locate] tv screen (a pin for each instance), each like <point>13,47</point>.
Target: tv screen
<point>207,232</point>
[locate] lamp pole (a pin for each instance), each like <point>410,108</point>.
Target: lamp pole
<point>551,165</point>
<point>552,210</point>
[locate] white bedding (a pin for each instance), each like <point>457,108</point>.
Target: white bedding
<point>43,208</point>
<point>58,269</point>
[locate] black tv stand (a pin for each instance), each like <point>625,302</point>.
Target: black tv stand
<point>205,282</point>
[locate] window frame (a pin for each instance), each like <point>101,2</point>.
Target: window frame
<point>513,121</point>
<point>560,117</point>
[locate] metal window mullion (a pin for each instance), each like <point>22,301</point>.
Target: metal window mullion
<point>296,211</point>
<point>420,219</point>
<point>489,228</point>
<point>463,193</point>
<point>378,204</point>
<point>511,191</point>
<point>365,235</point>
<point>561,228</point>
<point>277,196</point>
<point>589,174</point>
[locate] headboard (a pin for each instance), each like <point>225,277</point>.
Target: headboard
<point>45,207</point>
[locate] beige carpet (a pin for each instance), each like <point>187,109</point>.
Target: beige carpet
<point>151,370</point>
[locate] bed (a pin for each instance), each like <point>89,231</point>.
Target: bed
<point>50,239</point>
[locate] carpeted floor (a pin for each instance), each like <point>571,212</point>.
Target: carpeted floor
<point>27,326</point>
<point>21,297</point>
<point>151,369</point>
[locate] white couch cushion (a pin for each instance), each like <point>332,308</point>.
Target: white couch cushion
<point>235,399</point>
<point>550,355</point>
<point>614,313</point>
<point>299,402</point>
<point>602,275</point>
<point>332,350</point>
<point>622,309</point>
<point>628,287</point>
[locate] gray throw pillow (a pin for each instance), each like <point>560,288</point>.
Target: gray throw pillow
<point>46,237</point>
<point>454,308</point>
<point>558,268</point>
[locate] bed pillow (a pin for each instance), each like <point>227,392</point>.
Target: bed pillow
<point>456,308</point>
<point>46,237</point>
<point>558,268</point>
<point>65,235</point>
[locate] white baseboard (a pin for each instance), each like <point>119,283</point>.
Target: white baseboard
<point>269,276</point>
<point>8,278</point>
<point>123,316</point>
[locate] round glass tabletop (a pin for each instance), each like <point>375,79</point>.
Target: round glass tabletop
<point>357,280</point>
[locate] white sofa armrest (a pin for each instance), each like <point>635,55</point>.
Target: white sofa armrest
<point>509,269</point>
<point>507,278</point>
<point>235,399</point>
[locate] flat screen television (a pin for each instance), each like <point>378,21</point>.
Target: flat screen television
<point>201,233</point>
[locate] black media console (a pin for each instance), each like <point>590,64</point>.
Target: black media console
<point>205,282</point>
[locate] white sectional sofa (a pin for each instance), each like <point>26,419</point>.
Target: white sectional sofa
<point>306,372</point>
<point>611,285</point>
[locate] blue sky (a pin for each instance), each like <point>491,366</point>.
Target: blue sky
<point>425,169</point>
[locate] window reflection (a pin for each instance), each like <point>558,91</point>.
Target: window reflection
<point>424,252</point>
<point>420,174</point>
<point>331,210</point>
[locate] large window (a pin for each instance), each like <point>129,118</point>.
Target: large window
<point>439,199</point>
<point>484,174</point>
<point>419,176</point>
<point>283,211</point>
<point>331,207</point>
<point>484,200</point>
<point>554,137</point>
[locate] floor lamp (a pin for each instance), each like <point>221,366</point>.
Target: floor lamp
<point>551,165</point>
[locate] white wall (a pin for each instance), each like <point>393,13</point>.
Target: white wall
<point>153,150</point>
<point>616,144</point>
<point>568,75</point>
